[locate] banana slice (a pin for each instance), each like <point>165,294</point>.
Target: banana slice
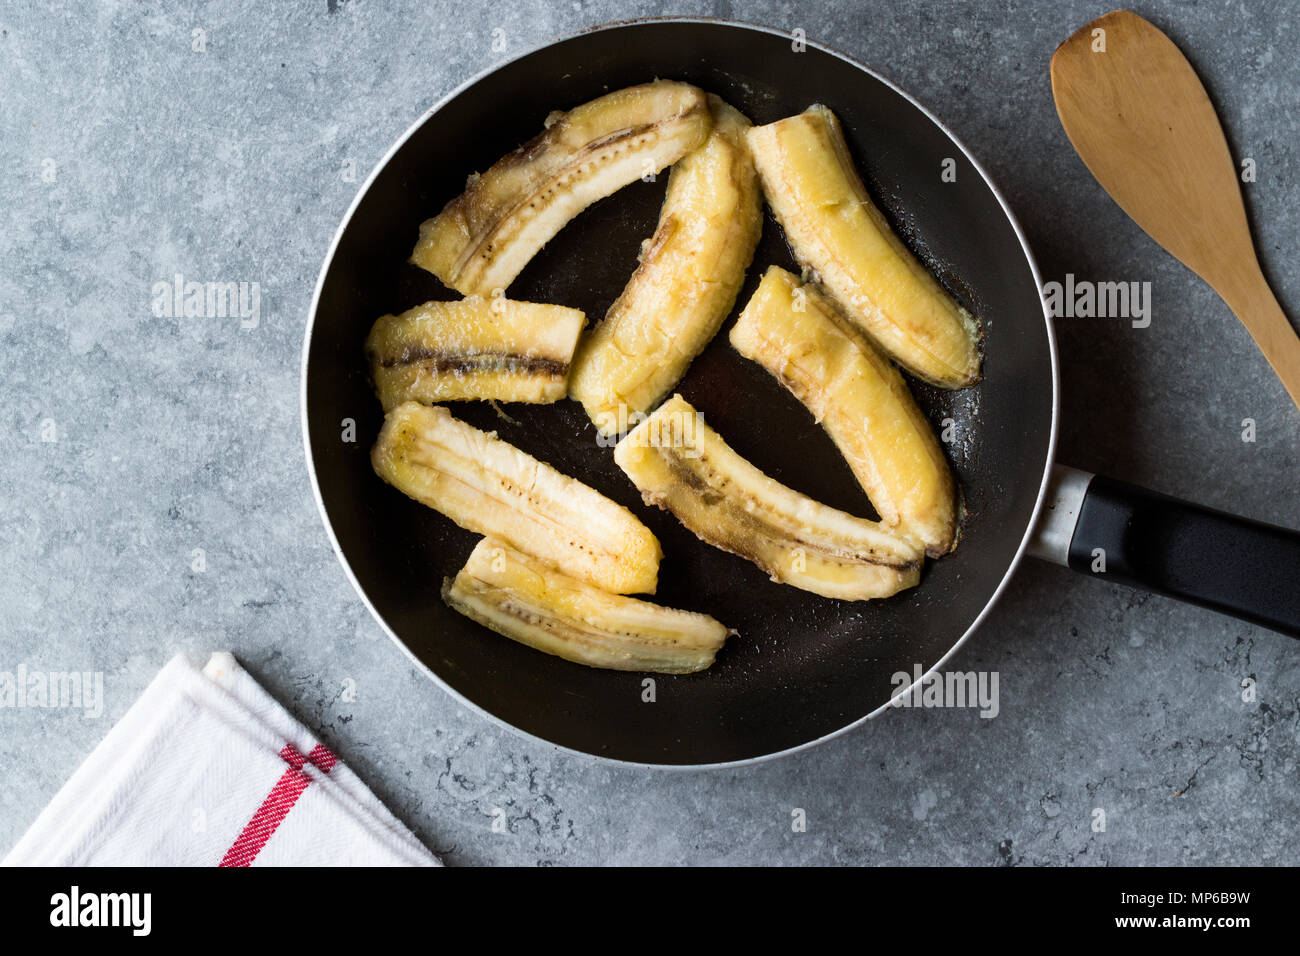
<point>683,466</point>
<point>475,348</point>
<point>522,598</point>
<point>489,486</point>
<point>485,236</point>
<point>861,400</point>
<point>690,273</point>
<point>835,230</point>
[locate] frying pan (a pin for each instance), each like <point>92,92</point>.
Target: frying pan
<point>803,668</point>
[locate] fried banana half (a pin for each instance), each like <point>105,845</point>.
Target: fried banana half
<point>861,400</point>
<point>526,600</point>
<point>690,272</point>
<point>683,466</point>
<point>491,487</point>
<point>483,238</point>
<point>836,231</point>
<point>474,348</point>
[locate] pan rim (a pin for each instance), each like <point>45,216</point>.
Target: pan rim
<point>361,193</point>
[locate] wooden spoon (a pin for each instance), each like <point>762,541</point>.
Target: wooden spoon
<point>1143,124</point>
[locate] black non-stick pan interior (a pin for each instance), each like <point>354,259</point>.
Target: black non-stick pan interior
<point>802,666</point>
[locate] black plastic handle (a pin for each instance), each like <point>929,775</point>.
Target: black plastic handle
<point>1217,560</point>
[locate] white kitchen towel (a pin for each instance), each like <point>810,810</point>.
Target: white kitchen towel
<point>206,769</point>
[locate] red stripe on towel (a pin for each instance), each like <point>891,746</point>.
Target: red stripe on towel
<point>278,803</point>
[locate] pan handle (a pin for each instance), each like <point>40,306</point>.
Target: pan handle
<point>1112,530</point>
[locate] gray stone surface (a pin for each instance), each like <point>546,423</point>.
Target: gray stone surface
<point>177,434</point>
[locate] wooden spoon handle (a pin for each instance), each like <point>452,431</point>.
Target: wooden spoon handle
<point>1255,305</point>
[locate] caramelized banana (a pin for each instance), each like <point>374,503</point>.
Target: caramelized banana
<point>489,486</point>
<point>682,465</point>
<point>836,231</point>
<point>475,348</point>
<point>861,401</point>
<point>686,283</point>
<point>485,236</point>
<point>524,599</point>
